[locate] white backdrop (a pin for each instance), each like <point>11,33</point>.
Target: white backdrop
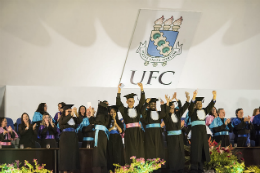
<point>82,44</point>
<point>26,99</point>
<point>85,43</point>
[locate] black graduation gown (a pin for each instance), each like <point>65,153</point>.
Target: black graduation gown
<point>69,149</point>
<point>87,131</point>
<point>153,138</point>
<point>27,137</point>
<point>199,138</point>
<point>224,138</point>
<point>51,131</point>
<point>100,152</point>
<point>134,142</point>
<point>176,157</point>
<point>115,147</point>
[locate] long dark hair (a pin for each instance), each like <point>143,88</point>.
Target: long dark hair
<point>1,120</point>
<point>41,108</point>
<point>85,114</point>
<point>22,122</point>
<point>210,113</point>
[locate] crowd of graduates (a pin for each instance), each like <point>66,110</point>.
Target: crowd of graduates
<point>118,132</point>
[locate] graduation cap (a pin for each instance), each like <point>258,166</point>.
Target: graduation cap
<point>67,106</point>
<point>199,99</point>
<point>103,104</point>
<point>113,107</point>
<point>128,96</point>
<point>153,100</point>
<point>102,108</point>
<point>171,103</point>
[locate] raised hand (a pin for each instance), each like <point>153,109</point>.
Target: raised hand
<point>91,111</point>
<point>195,94</point>
<point>174,96</point>
<point>141,86</point>
<point>187,94</point>
<point>161,101</point>
<point>148,100</point>
<point>119,88</point>
<point>168,99</point>
<point>214,94</point>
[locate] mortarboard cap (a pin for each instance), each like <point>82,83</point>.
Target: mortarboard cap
<point>153,100</point>
<point>67,106</point>
<point>171,103</point>
<point>113,107</point>
<point>103,104</point>
<point>199,99</point>
<point>128,96</point>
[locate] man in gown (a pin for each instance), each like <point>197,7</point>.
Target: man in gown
<point>199,139</point>
<point>134,145</point>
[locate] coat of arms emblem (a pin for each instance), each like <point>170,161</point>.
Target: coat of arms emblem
<point>162,47</point>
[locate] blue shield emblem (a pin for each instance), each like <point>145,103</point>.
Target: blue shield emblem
<point>161,42</point>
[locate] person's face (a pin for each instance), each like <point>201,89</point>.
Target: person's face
<point>4,123</point>
<point>214,111</point>
<point>82,110</point>
<point>199,105</point>
<point>25,118</point>
<point>59,107</point>
<point>222,114</point>
<point>112,112</point>
<point>257,112</point>
<point>68,112</point>
<point>152,105</point>
<point>106,103</point>
<point>240,114</point>
<point>45,108</point>
<point>47,118</point>
<point>130,102</point>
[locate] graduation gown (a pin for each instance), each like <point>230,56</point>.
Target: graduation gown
<point>69,149</point>
<point>241,131</point>
<point>256,126</point>
<point>199,138</point>
<point>88,133</point>
<point>48,135</point>
<point>100,151</point>
<point>176,157</point>
<point>134,142</point>
<point>27,137</point>
<point>221,131</point>
<point>115,146</point>
<point>153,138</point>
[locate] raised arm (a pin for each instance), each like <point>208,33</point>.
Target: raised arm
<point>212,103</point>
<point>142,100</point>
<point>119,103</point>
<point>191,107</point>
<point>185,106</point>
<point>143,109</point>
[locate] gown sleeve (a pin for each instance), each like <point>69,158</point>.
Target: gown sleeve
<point>210,106</point>
<point>120,105</point>
<point>142,101</point>
<point>183,108</point>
